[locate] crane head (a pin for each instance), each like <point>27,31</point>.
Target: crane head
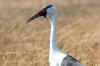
<point>46,11</point>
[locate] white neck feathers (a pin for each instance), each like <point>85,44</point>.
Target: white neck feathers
<point>53,43</point>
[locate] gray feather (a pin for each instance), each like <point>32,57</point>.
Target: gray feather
<point>70,61</point>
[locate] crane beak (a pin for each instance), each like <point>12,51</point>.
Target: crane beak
<point>32,18</point>
<point>42,12</point>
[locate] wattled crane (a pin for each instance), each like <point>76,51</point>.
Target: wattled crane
<point>56,57</point>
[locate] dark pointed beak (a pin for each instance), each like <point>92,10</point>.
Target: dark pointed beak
<point>42,12</point>
<point>32,18</point>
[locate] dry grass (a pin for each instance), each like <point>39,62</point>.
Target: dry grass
<point>78,32</point>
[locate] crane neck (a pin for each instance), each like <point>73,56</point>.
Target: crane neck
<point>53,42</point>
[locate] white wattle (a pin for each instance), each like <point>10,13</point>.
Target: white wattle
<point>55,55</point>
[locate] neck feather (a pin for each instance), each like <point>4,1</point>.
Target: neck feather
<point>53,43</point>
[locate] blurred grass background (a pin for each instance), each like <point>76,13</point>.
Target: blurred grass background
<point>78,32</point>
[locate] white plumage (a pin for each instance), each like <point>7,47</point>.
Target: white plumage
<point>56,57</point>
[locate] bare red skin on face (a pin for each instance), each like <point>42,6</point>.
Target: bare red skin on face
<point>42,12</point>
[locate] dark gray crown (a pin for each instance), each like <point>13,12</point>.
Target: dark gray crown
<point>48,6</point>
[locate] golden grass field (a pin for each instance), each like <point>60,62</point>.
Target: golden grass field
<point>78,32</point>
